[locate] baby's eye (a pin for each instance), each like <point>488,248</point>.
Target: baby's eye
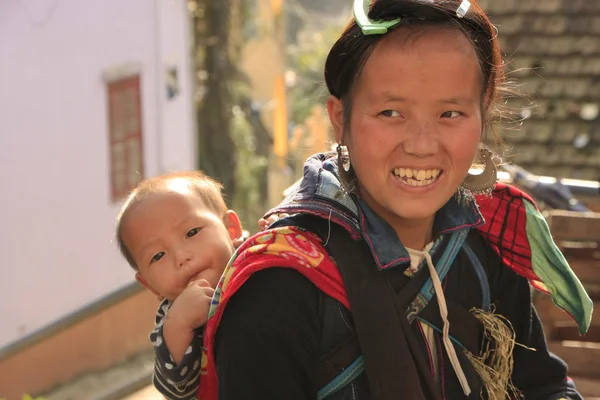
<point>390,113</point>
<point>192,232</point>
<point>157,257</point>
<point>451,114</point>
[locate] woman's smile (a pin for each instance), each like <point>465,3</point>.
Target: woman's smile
<point>417,177</point>
<point>417,180</point>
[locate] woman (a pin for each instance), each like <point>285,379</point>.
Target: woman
<point>430,296</point>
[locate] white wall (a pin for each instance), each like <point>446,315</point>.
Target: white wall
<point>57,220</point>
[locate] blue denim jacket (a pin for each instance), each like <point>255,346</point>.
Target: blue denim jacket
<point>320,193</point>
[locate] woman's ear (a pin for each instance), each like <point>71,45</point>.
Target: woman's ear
<point>233,225</point>
<point>336,116</point>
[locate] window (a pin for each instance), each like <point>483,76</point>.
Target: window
<point>125,135</point>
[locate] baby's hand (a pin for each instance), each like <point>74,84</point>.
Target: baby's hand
<point>190,308</point>
<point>188,312</point>
<point>264,223</point>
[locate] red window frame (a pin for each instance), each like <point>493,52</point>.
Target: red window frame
<point>125,135</point>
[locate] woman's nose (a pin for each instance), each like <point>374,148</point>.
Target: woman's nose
<point>422,141</point>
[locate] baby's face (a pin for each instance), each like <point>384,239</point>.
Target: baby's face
<point>175,239</point>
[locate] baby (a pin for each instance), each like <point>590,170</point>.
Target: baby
<point>177,234</point>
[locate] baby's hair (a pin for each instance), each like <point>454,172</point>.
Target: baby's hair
<point>209,190</point>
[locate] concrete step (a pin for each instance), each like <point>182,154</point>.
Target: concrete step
<point>583,358</point>
<point>115,383</point>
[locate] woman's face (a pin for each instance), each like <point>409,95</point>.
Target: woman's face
<point>416,121</point>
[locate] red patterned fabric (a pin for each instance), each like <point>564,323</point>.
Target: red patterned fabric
<point>287,247</point>
<point>505,229</point>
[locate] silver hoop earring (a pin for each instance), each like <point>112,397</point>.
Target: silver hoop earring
<point>485,182</point>
<point>343,157</point>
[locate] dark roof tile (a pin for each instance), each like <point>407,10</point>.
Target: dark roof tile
<point>553,53</point>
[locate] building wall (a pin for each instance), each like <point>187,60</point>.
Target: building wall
<point>56,243</point>
<point>95,344</point>
<point>553,49</point>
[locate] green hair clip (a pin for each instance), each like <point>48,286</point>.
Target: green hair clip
<point>368,27</point>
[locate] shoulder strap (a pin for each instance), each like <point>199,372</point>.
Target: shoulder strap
<point>481,275</point>
<point>386,341</point>
<point>339,367</point>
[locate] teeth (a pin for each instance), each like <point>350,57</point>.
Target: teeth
<point>417,177</point>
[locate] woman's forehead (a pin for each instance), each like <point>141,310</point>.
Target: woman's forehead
<point>435,59</point>
<point>413,40</point>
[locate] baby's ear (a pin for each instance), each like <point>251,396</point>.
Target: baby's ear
<point>144,283</point>
<point>233,225</point>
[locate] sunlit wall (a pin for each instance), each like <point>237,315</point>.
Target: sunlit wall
<point>57,216</point>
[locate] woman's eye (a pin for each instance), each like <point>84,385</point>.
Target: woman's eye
<point>451,114</point>
<point>157,257</point>
<point>192,232</point>
<point>390,113</point>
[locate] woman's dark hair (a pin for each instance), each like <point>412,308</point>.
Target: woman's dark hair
<point>349,54</point>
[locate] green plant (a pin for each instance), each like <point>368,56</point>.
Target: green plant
<point>248,200</point>
<point>230,148</point>
<point>306,59</point>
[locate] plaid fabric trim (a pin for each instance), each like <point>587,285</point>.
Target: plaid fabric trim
<point>504,228</point>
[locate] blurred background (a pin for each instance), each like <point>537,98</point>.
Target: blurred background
<point>95,96</point>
